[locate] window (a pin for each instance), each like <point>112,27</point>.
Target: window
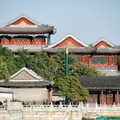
<point>92,98</point>
<point>96,60</point>
<point>112,60</point>
<point>78,58</point>
<point>99,60</point>
<point>38,39</point>
<point>105,60</point>
<point>92,60</point>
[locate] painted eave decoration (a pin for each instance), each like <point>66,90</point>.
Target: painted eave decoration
<point>103,43</point>
<point>69,39</point>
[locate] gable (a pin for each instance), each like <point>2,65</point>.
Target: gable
<point>71,43</point>
<point>23,75</point>
<point>22,21</point>
<point>71,40</point>
<point>102,44</point>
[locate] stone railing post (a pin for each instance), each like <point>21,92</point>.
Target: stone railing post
<point>51,106</point>
<point>96,105</point>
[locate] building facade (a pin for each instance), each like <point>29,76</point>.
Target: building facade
<point>103,90</point>
<point>23,32</point>
<point>25,85</point>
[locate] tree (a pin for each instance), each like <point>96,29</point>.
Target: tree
<point>85,70</point>
<point>60,60</point>
<point>42,65</point>
<point>4,73</point>
<point>118,62</point>
<point>71,87</point>
<point>75,68</point>
<point>21,59</point>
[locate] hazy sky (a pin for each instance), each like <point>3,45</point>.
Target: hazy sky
<point>88,20</point>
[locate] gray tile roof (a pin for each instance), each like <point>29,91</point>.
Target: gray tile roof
<point>84,50</point>
<point>37,28</point>
<point>25,83</point>
<point>100,82</point>
<point>40,29</point>
<point>71,49</point>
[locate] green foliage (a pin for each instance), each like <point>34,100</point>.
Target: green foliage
<point>75,68</point>
<point>85,70</point>
<point>118,62</point>
<point>7,53</point>
<point>60,60</point>
<point>45,66</point>
<point>71,87</point>
<point>4,73</point>
<point>21,59</point>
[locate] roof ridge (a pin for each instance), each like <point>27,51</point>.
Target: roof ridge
<point>23,16</point>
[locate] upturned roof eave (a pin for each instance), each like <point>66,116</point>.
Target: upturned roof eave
<point>26,32</point>
<point>25,84</point>
<point>100,88</point>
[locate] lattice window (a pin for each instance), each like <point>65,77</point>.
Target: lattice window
<point>99,60</point>
<point>78,58</point>
<point>112,60</point>
<point>22,39</point>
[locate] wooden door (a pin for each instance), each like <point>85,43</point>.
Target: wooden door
<point>109,99</point>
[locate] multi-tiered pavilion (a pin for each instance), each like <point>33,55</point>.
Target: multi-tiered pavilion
<point>26,33</point>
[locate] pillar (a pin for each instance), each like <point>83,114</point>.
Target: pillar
<point>4,40</point>
<point>12,40</point>
<point>82,59</point>
<point>49,98</point>
<point>117,98</point>
<point>102,98</point>
<point>34,40</point>
<point>88,60</point>
<point>48,39</point>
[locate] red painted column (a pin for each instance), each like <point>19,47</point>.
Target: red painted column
<point>12,41</point>
<point>51,57</point>
<point>102,98</point>
<point>88,60</point>
<point>117,98</point>
<point>49,98</point>
<point>82,59</point>
<point>4,40</point>
<point>43,41</point>
<point>34,41</point>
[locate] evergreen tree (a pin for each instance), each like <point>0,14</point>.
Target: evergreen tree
<point>71,87</point>
<point>4,73</point>
<point>118,62</point>
<point>75,68</point>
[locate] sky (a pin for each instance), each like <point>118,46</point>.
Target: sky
<point>87,20</point>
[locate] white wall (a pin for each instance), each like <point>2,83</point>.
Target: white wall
<point>30,94</point>
<point>5,96</point>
